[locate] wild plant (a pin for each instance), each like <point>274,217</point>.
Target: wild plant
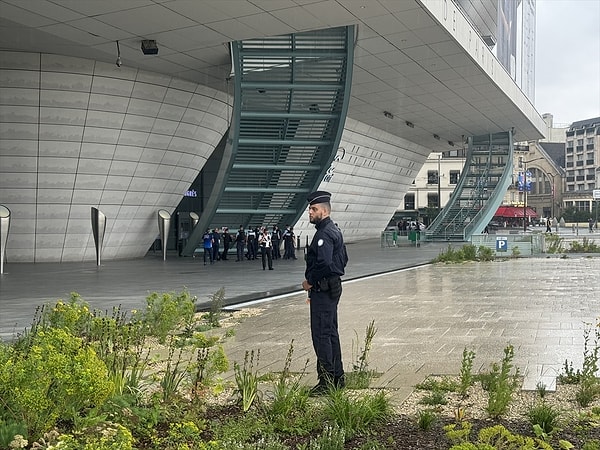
<point>425,419</point>
<point>361,375</point>
<point>332,438</point>
<point>434,398</point>
<point>55,376</point>
<point>515,252</point>
<point>589,387</point>
<point>541,389</point>
<point>288,394</point>
<point>443,384</point>
<point>246,379</point>
<point>466,371</point>
<point>216,306</point>
<point>209,362</point>
<point>173,375</point>
<point>165,313</point>
<point>485,253</point>
<point>357,414</point>
<point>502,384</point>
<point>554,243</point>
<point>545,416</point>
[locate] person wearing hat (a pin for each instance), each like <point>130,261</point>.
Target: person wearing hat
<point>326,259</point>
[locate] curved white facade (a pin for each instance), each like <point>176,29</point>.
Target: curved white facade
<point>371,173</point>
<point>77,133</point>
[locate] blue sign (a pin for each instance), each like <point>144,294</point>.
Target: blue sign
<point>524,181</point>
<point>501,244</point>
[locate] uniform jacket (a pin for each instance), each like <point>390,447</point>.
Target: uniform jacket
<point>326,255</point>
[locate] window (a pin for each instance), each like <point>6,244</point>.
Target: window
<point>433,200</point>
<point>432,177</point>
<point>454,175</point>
<point>409,201</point>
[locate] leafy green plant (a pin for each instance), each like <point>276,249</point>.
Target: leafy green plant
<point>246,379</point>
<point>358,413</point>
<point>216,305</point>
<point>515,252</point>
<point>588,383</point>
<point>491,438</point>
<point>361,375</point>
<point>554,243</point>
<point>434,398</point>
<point>105,436</point>
<point>173,375</point>
<point>332,438</point>
<point>443,384</point>
<point>289,396</point>
<point>502,384</point>
<point>425,419</point>
<point>545,416</point>
<point>54,376</point>
<point>166,312</point>
<point>485,253</point>
<point>541,390</point>
<point>466,371</point>
<point>585,246</point>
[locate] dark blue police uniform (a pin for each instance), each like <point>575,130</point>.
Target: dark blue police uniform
<point>326,259</point>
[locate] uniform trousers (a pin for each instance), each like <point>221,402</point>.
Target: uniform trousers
<point>325,337</point>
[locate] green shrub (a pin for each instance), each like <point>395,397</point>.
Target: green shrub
<point>502,384</point>
<point>545,416</point>
<point>357,414</point>
<point>105,436</point>
<point>425,419</point>
<point>165,313</point>
<point>54,376</point>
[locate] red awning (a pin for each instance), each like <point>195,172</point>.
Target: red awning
<point>514,211</point>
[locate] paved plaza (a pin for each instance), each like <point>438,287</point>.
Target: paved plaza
<point>425,314</point>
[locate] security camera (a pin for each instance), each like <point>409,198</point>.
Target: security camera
<point>119,62</point>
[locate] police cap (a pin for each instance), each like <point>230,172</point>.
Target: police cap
<point>319,197</point>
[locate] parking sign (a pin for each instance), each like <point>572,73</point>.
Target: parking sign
<point>501,244</point>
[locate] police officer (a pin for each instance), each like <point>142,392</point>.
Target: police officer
<point>240,242</point>
<point>326,259</point>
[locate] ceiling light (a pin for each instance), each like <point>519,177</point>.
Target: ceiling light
<point>435,136</point>
<point>149,47</point>
<point>409,124</point>
<point>388,114</point>
<point>450,143</point>
<point>118,62</point>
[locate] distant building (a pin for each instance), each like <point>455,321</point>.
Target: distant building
<point>582,163</point>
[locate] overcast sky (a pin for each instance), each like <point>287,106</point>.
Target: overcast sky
<point>567,70</point>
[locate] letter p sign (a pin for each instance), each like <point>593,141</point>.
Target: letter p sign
<point>501,244</point>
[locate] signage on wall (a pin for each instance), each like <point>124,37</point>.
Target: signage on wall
<point>191,193</point>
<point>341,152</point>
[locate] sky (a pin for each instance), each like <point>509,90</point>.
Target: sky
<point>567,66</point>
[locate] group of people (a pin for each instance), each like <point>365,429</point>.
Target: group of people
<point>250,244</point>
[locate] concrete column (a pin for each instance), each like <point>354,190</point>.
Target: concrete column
<point>164,223</point>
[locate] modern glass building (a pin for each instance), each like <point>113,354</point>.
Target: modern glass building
<point>234,110</point>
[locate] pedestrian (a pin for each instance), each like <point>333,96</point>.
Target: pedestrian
<point>293,244</point>
<point>216,244</point>
<point>591,224</point>
<point>266,248</point>
<point>240,242</point>
<point>226,243</point>
<point>548,225</point>
<point>251,243</point>
<point>287,242</point>
<point>326,259</point>
<point>207,242</point>
<point>276,240</point>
